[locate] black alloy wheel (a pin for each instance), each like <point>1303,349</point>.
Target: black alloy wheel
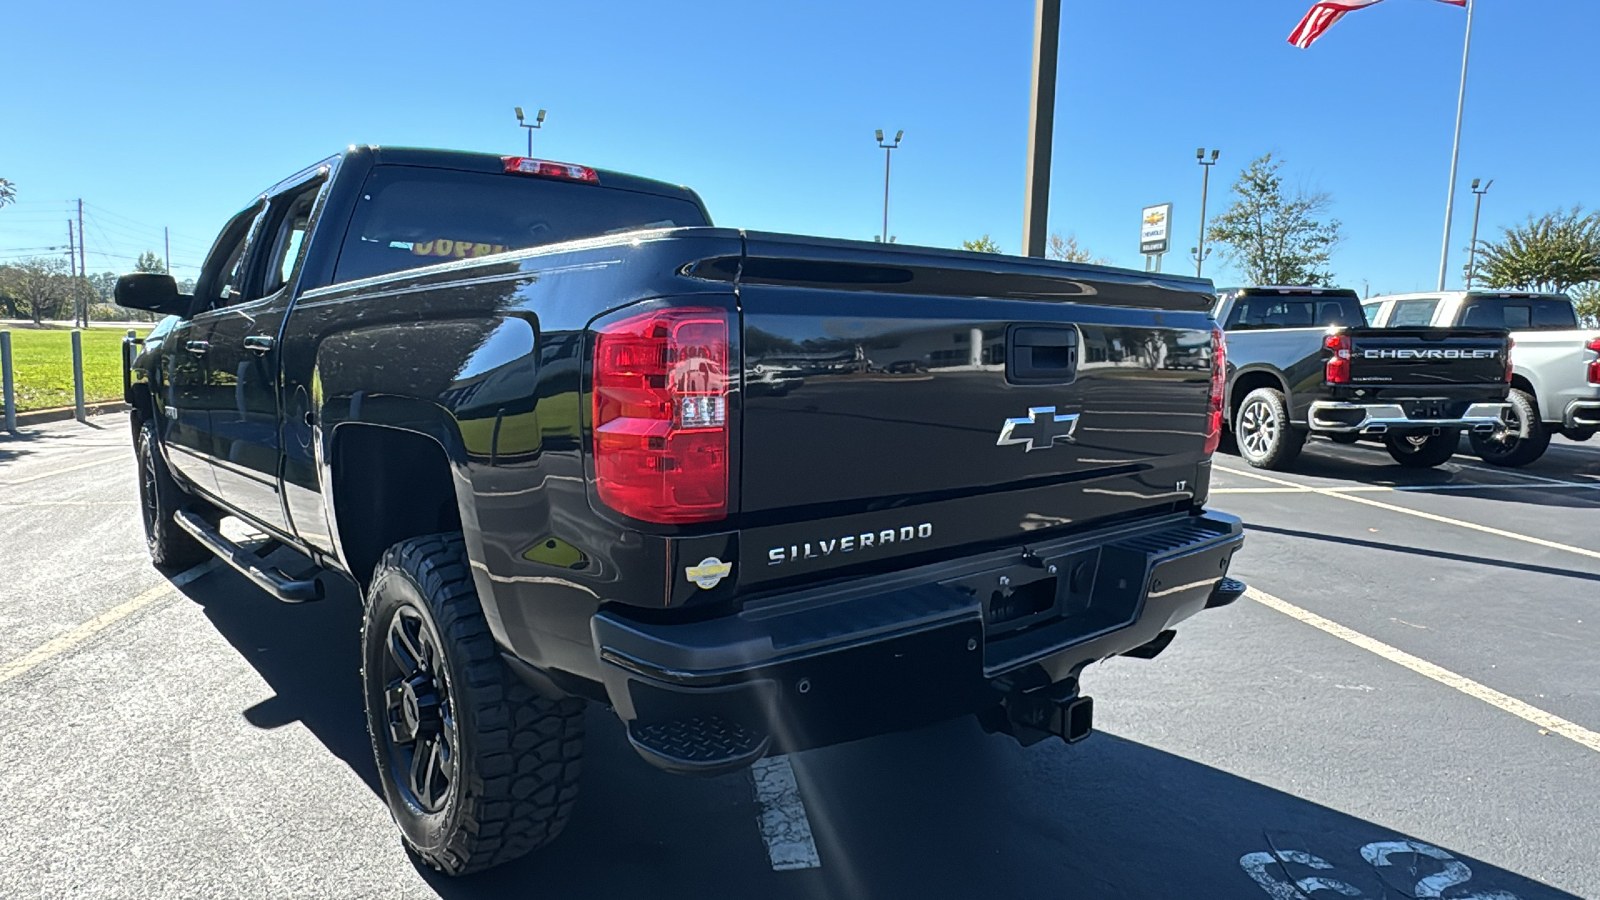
<point>1422,451</point>
<point>423,743</point>
<point>1523,439</point>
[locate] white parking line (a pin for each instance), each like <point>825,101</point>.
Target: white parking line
<point>1548,721</point>
<point>1499,532</point>
<point>54,472</point>
<point>783,821</point>
<point>1413,488</point>
<point>82,632</point>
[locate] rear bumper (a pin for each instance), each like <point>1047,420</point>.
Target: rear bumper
<point>1377,418</point>
<point>1582,414</point>
<point>834,664</point>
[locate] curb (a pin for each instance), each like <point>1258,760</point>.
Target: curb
<point>63,413</point>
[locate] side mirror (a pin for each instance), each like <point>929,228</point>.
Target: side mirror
<point>153,292</point>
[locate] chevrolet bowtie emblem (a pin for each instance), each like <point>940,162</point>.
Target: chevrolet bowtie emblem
<point>1039,429</point>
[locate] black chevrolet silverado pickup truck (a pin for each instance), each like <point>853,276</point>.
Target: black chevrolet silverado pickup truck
<point>513,401</point>
<point>1302,361</point>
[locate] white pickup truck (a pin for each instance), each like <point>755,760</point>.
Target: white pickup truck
<point>1556,363</point>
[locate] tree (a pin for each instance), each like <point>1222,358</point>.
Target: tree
<point>150,261</point>
<point>981,245</point>
<point>40,286</point>
<point>1067,249</point>
<point>8,192</point>
<point>1553,252</point>
<point>1274,236</point>
<point>1586,298</point>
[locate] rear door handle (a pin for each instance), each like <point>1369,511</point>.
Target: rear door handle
<point>197,346</point>
<point>260,343</point>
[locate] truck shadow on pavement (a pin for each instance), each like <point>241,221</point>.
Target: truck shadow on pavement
<point>1426,553</point>
<point>945,811</point>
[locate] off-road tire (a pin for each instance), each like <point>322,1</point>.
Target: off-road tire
<point>1431,451</point>
<point>1510,448</point>
<point>518,752</point>
<point>159,498</point>
<point>1265,436</point>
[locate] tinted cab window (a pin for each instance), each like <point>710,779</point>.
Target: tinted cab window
<point>411,216</point>
<point>1519,313</point>
<point>1293,311</point>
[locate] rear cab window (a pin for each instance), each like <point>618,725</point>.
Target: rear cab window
<point>410,216</point>
<point>1519,313</point>
<point>1275,310</point>
<point>1413,313</point>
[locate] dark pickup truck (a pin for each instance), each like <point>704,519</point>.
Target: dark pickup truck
<point>511,401</point>
<point>1302,361</point>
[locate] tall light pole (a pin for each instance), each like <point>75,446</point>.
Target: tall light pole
<point>1472,251</point>
<point>887,149</point>
<point>1455,152</point>
<point>1205,188</point>
<point>538,122</point>
<point>1041,126</point>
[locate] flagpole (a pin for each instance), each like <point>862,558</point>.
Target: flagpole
<point>1455,153</point>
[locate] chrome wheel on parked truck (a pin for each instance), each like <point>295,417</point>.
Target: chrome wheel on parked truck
<point>1266,438</point>
<point>1424,450</point>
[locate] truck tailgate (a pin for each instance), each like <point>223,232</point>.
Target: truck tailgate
<point>1428,356</point>
<point>914,400</point>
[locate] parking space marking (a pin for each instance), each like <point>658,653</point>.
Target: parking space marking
<point>1548,721</point>
<point>83,631</point>
<point>1413,488</point>
<point>53,473</point>
<point>1499,532</point>
<point>784,825</point>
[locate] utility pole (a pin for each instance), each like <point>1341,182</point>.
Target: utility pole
<point>1477,208</point>
<point>538,122</point>
<point>1455,153</point>
<point>1041,126</point>
<point>83,269</point>
<point>887,149</point>
<point>1205,188</point>
<point>166,238</point>
<point>72,249</point>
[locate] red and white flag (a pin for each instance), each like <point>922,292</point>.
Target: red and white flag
<point>1324,14</point>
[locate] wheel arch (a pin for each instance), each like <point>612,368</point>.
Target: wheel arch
<point>1246,380</point>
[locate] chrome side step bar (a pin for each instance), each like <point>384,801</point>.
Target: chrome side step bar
<point>250,562</point>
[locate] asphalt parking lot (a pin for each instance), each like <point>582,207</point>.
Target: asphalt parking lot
<point>1407,706</point>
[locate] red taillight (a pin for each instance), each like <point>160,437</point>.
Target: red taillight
<point>1510,368</point>
<point>523,165</point>
<point>661,415</point>
<point>1338,370</point>
<point>1594,364</point>
<point>1219,381</point>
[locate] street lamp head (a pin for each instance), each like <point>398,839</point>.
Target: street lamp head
<point>1476,182</point>
<point>899,134</point>
<point>880,135</point>
<point>540,119</point>
<point>1200,154</point>
<point>519,114</point>
<point>1215,154</point>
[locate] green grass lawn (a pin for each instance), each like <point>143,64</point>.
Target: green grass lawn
<point>42,365</point>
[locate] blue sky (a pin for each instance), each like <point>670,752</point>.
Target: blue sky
<point>175,114</point>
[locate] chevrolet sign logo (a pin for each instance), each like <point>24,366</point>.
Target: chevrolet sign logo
<point>1040,429</point>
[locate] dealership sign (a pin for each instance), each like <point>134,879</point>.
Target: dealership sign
<point>1155,229</point>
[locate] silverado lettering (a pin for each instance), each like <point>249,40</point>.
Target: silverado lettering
<point>849,543</point>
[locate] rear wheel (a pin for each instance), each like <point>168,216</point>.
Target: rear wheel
<point>159,499</point>
<point>1422,451</point>
<point>1522,441</point>
<point>1264,434</point>
<point>1344,437</point>
<point>477,767</point>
